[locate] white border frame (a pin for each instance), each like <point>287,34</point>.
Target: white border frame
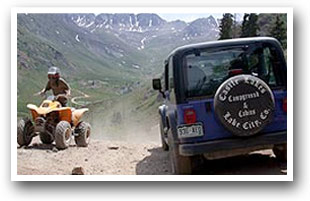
<point>287,10</point>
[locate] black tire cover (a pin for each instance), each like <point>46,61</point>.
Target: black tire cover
<point>244,104</point>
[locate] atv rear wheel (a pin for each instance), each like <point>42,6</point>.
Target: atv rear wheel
<point>83,134</point>
<point>63,135</point>
<point>46,138</point>
<point>25,130</point>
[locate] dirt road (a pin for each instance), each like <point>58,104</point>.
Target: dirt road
<point>107,157</point>
<point>83,95</point>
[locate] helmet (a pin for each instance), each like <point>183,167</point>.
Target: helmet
<point>53,72</point>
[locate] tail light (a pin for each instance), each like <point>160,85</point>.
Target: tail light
<point>284,105</point>
<point>189,116</point>
<point>235,72</point>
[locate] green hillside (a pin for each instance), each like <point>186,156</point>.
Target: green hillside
<point>45,41</point>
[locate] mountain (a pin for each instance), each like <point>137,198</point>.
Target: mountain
<point>120,36</point>
<point>207,27</point>
<point>103,55</point>
<point>142,29</point>
<point>128,22</point>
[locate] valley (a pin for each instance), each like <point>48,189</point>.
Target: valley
<point>108,60</point>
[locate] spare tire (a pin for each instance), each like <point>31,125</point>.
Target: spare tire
<point>244,104</point>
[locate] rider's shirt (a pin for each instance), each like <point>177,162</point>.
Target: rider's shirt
<point>58,87</point>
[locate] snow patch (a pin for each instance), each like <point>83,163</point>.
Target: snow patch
<point>77,38</point>
<point>90,24</point>
<point>130,21</point>
<point>81,21</point>
<point>150,22</point>
<point>142,43</point>
<point>137,23</point>
<point>136,66</point>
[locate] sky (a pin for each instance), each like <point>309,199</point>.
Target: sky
<point>189,17</point>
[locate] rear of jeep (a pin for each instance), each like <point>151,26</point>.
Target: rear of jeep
<point>222,99</point>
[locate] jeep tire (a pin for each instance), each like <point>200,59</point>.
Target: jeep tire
<point>83,134</point>
<point>25,131</point>
<point>244,104</point>
<point>63,135</point>
<point>164,145</point>
<point>180,165</point>
<point>280,151</point>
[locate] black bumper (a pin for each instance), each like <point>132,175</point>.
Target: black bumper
<point>233,143</point>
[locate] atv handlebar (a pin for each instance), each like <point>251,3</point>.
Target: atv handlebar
<point>52,97</point>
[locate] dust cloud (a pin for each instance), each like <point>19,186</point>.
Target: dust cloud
<point>123,122</point>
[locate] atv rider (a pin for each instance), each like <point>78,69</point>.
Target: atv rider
<point>59,86</point>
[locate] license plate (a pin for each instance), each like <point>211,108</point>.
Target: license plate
<point>193,130</point>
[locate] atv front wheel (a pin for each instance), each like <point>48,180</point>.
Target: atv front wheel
<point>63,135</point>
<point>25,131</point>
<point>83,134</point>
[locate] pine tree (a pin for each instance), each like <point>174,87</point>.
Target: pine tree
<point>245,26</point>
<point>253,26</point>
<point>226,26</point>
<point>249,25</point>
<point>278,31</point>
<point>236,27</point>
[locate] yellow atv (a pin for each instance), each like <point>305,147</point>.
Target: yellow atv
<point>54,123</point>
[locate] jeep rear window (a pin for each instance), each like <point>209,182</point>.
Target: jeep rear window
<point>205,70</point>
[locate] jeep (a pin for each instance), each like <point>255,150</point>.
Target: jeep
<point>221,99</point>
